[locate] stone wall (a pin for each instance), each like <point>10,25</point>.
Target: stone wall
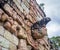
<point>16,19</point>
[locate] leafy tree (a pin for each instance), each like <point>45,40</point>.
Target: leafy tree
<point>56,40</point>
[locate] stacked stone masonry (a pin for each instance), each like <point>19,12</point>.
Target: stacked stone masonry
<point>16,19</point>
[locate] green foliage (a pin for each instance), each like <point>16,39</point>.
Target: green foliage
<point>56,40</point>
<point>42,4</point>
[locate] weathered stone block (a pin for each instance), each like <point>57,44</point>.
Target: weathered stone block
<point>4,48</point>
<point>41,47</point>
<point>7,25</point>
<point>13,29</point>
<point>19,1</point>
<point>9,9</point>
<point>29,47</point>
<point>4,17</point>
<point>3,42</point>
<point>1,11</point>
<point>38,18</point>
<point>22,34</point>
<point>25,8</point>
<point>12,47</point>
<point>30,18</point>
<point>15,40</point>
<point>8,36</point>
<point>26,3</point>
<point>22,45</point>
<point>27,22</point>
<point>2,30</point>
<point>18,5</point>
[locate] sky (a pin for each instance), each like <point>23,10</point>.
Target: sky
<point>52,10</point>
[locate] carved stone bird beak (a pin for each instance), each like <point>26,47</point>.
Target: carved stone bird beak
<point>40,23</point>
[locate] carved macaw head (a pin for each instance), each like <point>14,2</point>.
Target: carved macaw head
<point>39,29</point>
